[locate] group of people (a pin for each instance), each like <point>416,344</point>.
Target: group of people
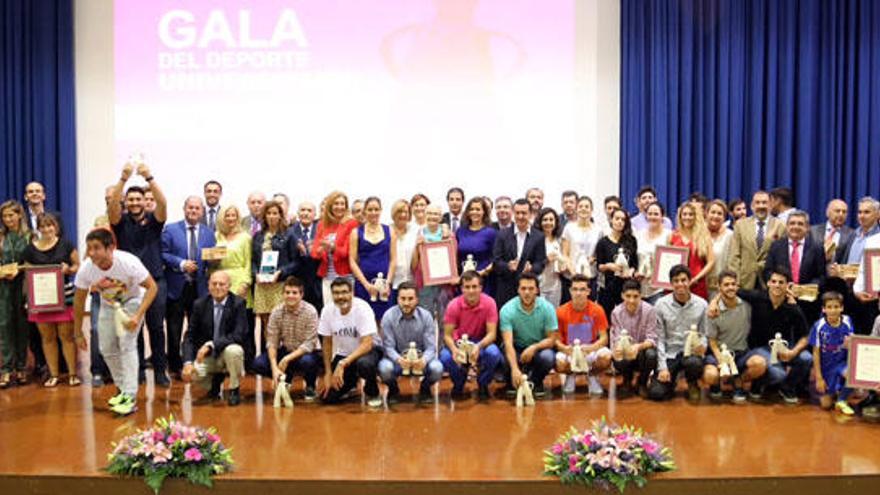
<point>331,291</point>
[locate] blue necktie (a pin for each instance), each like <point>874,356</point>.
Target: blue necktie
<point>218,317</point>
<point>191,251</point>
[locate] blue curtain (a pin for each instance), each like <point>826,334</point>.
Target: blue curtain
<point>729,96</point>
<point>37,112</point>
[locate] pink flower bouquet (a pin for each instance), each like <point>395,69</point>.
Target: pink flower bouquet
<point>606,456</point>
<point>171,449</point>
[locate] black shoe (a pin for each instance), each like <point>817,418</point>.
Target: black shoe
<point>216,383</point>
<point>460,394</point>
<point>234,397</point>
<point>425,396</point>
<point>393,394</point>
<point>162,380</point>
<point>484,394</point>
<point>539,391</point>
<point>142,377</point>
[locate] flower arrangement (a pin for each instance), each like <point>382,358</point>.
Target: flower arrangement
<point>171,449</point>
<point>606,455</point>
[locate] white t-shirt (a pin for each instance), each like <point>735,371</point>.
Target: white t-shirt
<point>120,283</point>
<point>581,241</point>
<point>348,329</point>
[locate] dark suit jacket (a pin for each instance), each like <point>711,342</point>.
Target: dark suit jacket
<point>447,219</point>
<point>505,251</point>
<point>289,257</point>
<point>817,233</point>
<point>174,251</point>
<point>308,267</point>
<point>812,262</point>
<point>843,247</point>
<point>233,326</point>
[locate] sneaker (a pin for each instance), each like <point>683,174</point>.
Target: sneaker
<point>484,393</point>
<point>739,396</point>
<point>871,412</point>
<point>125,406</point>
<point>843,408</point>
<point>116,399</point>
<point>375,402</point>
<point>97,381</point>
<point>311,395</point>
<point>694,393</point>
<point>715,393</point>
<point>234,398</point>
<point>393,396</point>
<point>539,391</point>
<point>789,397</point>
<point>425,396</point>
<point>595,386</point>
<point>569,385</point>
<point>756,393</point>
<point>509,390</point>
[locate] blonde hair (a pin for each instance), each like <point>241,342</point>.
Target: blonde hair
<point>17,208</point>
<point>401,205</point>
<point>222,228</point>
<point>327,217</point>
<point>699,234</point>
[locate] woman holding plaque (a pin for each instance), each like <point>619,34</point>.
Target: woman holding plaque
<point>648,239</point>
<point>617,259</point>
<point>330,246</point>
<point>406,233</point>
<point>691,233</point>
<point>476,239</point>
<point>51,249</point>
<point>237,262</point>
<point>432,297</point>
<point>716,217</point>
<point>547,221</point>
<point>272,237</point>
<point>579,240</point>
<point>14,237</point>
<point>372,256</point>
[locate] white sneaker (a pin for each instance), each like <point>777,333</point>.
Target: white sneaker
<point>375,402</point>
<point>569,385</point>
<point>595,386</point>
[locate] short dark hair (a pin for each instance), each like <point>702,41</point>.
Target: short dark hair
<point>728,274</point>
<point>658,205</point>
<point>780,270</point>
<point>557,229</point>
<point>407,286</point>
<point>340,281</point>
<point>611,198</point>
<point>783,194</point>
<point>102,235</point>
<point>293,281</point>
<point>646,189</point>
<point>528,276</point>
<point>678,270</point>
<point>135,189</point>
<point>51,218</point>
<point>569,193</point>
<point>580,277</point>
<point>522,202</point>
<point>832,295</point>
<point>733,203</point>
<point>471,275</point>
<point>455,190</point>
<point>631,284</point>
<point>418,196</point>
<point>212,181</point>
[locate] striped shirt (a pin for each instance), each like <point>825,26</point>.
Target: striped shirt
<point>293,329</point>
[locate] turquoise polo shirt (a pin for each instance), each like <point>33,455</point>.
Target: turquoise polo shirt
<point>528,328</point>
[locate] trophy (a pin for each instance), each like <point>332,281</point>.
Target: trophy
<point>727,364</point>
<point>691,341</point>
<point>201,369</point>
<point>282,394</point>
<point>410,358</point>
<point>136,158</point>
<point>524,395</point>
<point>583,266</point>
<point>622,262</point>
<point>624,343</point>
<point>463,352</point>
<point>646,265</point>
<point>469,264</point>
<point>579,362</point>
<point>381,283</point>
<point>553,249</point>
<point>120,318</point>
<point>777,343</point>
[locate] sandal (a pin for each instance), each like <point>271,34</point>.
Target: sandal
<point>74,381</point>
<point>21,377</point>
<point>5,380</point>
<point>51,382</point>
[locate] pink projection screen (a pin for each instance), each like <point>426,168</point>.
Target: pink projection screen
<point>384,97</point>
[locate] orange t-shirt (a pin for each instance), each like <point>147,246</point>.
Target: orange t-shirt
<point>584,325</point>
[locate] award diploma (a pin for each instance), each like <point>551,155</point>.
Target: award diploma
<point>864,362</point>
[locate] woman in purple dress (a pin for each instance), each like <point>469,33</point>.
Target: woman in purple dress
<point>476,238</point>
<point>372,250</point>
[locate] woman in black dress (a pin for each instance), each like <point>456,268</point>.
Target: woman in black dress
<point>620,239</point>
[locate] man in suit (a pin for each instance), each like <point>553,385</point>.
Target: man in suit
<point>304,231</point>
<point>503,212</point>
<point>251,223</point>
<point>455,201</point>
<point>802,257</point>
<point>751,241</point>
<point>860,305</point>
<point>517,250</point>
<point>213,191</point>
<point>215,340</point>
<point>834,231</point>
<point>186,275</point>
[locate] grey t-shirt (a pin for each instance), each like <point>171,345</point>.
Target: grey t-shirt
<point>732,326</point>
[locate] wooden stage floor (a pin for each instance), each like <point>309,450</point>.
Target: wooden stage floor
<point>59,439</point>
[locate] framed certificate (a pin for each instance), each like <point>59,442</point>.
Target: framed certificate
<point>665,257</point>
<point>438,262</point>
<point>45,288</point>
<point>214,253</point>
<point>871,259</point>
<point>863,370</point>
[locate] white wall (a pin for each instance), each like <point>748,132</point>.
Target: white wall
<point>598,82</point>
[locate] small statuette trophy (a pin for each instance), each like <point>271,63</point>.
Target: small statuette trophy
<point>624,343</point>
<point>282,394</point>
<point>553,249</point>
<point>381,283</point>
<point>622,262</point>
<point>646,265</point>
<point>579,362</point>
<point>691,341</point>
<point>470,265</point>
<point>120,318</point>
<point>464,350</point>
<point>410,358</point>
<point>777,343</point>
<point>524,395</point>
<point>583,266</point>
<point>727,364</point>
<point>136,158</point>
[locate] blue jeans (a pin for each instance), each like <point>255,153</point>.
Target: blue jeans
<point>98,366</point>
<point>308,364</point>
<point>798,370</point>
<point>389,371</point>
<point>542,363</point>
<point>490,358</point>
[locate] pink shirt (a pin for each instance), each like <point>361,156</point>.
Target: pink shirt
<point>471,320</point>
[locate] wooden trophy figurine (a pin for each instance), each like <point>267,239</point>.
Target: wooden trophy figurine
<point>624,343</point>
<point>622,262</point>
<point>120,319</point>
<point>727,365</point>
<point>692,340</point>
<point>410,358</point>
<point>381,283</point>
<point>583,266</point>
<point>470,265</point>
<point>524,396</point>
<point>777,343</point>
<point>579,362</point>
<point>464,349</point>
<point>282,394</point>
